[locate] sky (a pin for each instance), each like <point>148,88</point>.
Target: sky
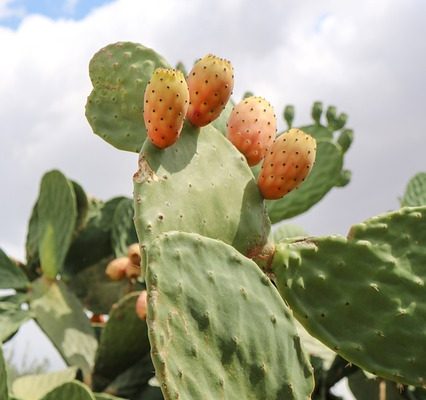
<point>367,58</point>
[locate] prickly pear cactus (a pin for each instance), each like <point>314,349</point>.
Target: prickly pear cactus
<point>119,74</point>
<point>415,192</point>
<point>364,296</point>
<point>205,347</point>
<point>172,192</point>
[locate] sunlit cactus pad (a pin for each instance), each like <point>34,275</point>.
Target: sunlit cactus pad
<point>364,296</point>
<point>217,326</point>
<point>200,184</point>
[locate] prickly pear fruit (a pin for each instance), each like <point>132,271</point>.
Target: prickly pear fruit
<point>287,163</point>
<point>116,269</point>
<point>210,84</point>
<point>141,305</point>
<point>133,271</point>
<point>134,253</point>
<point>166,102</point>
<point>252,127</point>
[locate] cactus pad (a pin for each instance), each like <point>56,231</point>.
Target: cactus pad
<point>124,341</point>
<point>56,219</point>
<point>415,193</point>
<point>119,74</point>
<point>11,276</point>
<point>323,177</point>
<point>200,184</point>
<point>61,316</point>
<point>217,326</point>
<point>70,390</point>
<point>364,296</point>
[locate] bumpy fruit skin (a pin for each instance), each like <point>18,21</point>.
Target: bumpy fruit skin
<point>141,305</point>
<point>287,164</point>
<point>166,103</point>
<point>116,269</point>
<point>210,84</point>
<point>252,127</point>
<point>134,253</point>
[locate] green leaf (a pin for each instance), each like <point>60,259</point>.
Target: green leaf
<point>106,396</point>
<point>61,316</point>
<point>11,276</point>
<point>33,387</point>
<point>56,216</point>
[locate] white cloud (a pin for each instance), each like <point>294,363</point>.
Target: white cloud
<point>369,61</point>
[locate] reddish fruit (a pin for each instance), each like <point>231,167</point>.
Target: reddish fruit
<point>252,127</point>
<point>141,305</point>
<point>97,319</point>
<point>166,102</point>
<point>210,84</point>
<point>116,269</point>
<point>134,253</point>
<point>287,163</point>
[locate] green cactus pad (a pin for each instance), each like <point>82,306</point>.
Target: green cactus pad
<point>61,316</point>
<point>105,396</point>
<point>364,296</point>
<point>123,232</point>
<point>119,74</point>
<point>93,243</point>
<point>34,387</point>
<point>82,203</point>
<point>133,380</point>
<point>3,376</point>
<point>286,231</point>
<point>200,184</point>
<point>53,226</point>
<point>124,341</point>
<point>217,326</point>
<point>363,388</point>
<point>11,276</point>
<point>415,193</point>
<point>323,177</point>
<point>70,390</point>
<point>94,288</point>
<point>12,316</point>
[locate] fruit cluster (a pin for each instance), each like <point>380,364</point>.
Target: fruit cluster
<point>251,126</point>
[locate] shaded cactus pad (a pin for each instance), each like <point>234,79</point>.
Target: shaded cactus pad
<point>364,296</point>
<point>119,74</point>
<point>200,184</point>
<point>217,326</point>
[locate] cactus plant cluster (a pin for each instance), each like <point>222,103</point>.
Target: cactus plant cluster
<point>202,293</point>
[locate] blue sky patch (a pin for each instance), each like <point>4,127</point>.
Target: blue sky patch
<point>13,11</point>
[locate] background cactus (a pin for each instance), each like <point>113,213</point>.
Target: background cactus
<point>216,325</point>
